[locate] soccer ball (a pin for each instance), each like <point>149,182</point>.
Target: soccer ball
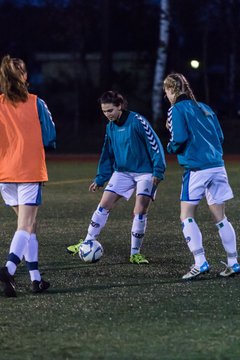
<point>90,251</point>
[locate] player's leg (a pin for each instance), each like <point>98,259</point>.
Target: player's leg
<point>26,218</point>
<point>191,232</point>
<point>98,219</point>
<point>31,255</point>
<point>120,185</point>
<point>138,230</point>
<point>31,252</point>
<point>24,198</point>
<point>31,194</point>
<point>193,190</point>
<point>228,237</point>
<point>217,193</point>
<point>26,215</point>
<point>10,196</point>
<point>26,227</point>
<point>193,237</point>
<point>100,215</point>
<point>145,194</point>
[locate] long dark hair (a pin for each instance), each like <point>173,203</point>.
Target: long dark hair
<point>13,79</point>
<point>113,97</point>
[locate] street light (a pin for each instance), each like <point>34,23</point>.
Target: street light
<point>195,64</point>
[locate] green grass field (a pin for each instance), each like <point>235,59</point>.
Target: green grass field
<point>112,309</point>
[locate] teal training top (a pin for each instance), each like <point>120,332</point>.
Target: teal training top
<point>47,125</point>
<point>196,135</point>
<point>131,145</point>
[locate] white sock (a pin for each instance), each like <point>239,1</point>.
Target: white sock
<point>228,237</point>
<point>138,230</point>
<point>17,249</point>
<point>31,258</point>
<point>193,239</point>
<point>98,221</point>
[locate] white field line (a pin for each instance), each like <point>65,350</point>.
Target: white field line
<point>65,182</point>
<point>77,181</point>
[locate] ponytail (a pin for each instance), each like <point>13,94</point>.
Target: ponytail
<point>179,84</point>
<point>13,76</point>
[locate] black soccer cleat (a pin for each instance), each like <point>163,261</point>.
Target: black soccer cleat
<point>8,282</point>
<point>40,286</point>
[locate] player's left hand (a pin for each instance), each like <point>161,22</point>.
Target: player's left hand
<point>155,180</point>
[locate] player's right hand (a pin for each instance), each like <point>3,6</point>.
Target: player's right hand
<point>93,187</point>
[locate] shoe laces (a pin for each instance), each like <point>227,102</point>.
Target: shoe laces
<point>225,264</point>
<point>194,266</point>
<point>139,256</point>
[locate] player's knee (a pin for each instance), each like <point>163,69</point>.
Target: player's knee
<point>102,210</point>
<point>140,209</point>
<point>27,228</point>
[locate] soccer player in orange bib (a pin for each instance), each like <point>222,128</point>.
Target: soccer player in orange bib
<point>26,127</point>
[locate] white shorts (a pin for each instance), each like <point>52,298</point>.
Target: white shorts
<point>15,194</point>
<point>212,183</point>
<point>125,183</point>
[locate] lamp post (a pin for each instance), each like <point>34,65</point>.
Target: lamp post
<point>195,64</point>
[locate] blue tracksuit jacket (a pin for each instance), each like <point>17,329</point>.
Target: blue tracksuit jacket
<point>47,125</point>
<point>131,146</point>
<point>196,135</point>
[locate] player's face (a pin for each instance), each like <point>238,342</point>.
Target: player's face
<point>111,111</point>
<point>170,95</point>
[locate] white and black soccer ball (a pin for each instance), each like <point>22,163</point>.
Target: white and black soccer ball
<point>90,251</point>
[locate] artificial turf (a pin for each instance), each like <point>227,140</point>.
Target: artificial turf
<point>113,309</point>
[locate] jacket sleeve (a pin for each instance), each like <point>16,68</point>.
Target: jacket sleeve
<point>106,163</point>
<point>178,130</point>
<point>154,147</point>
<point>47,125</point>
<point>218,128</point>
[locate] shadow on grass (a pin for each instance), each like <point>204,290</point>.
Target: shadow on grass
<point>86,288</point>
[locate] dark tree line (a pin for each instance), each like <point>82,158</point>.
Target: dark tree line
<point>205,30</point>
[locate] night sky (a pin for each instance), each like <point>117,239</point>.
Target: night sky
<point>202,30</point>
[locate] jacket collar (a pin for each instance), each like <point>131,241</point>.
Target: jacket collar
<point>182,97</point>
<point>121,121</point>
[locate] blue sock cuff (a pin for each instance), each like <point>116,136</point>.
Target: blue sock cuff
<point>140,216</point>
<point>198,252</point>
<point>13,258</point>
<point>221,223</point>
<point>187,221</point>
<point>33,265</point>
<point>102,210</point>
<point>232,255</point>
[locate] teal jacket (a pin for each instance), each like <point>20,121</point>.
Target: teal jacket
<point>131,145</point>
<point>47,125</point>
<point>196,135</point>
